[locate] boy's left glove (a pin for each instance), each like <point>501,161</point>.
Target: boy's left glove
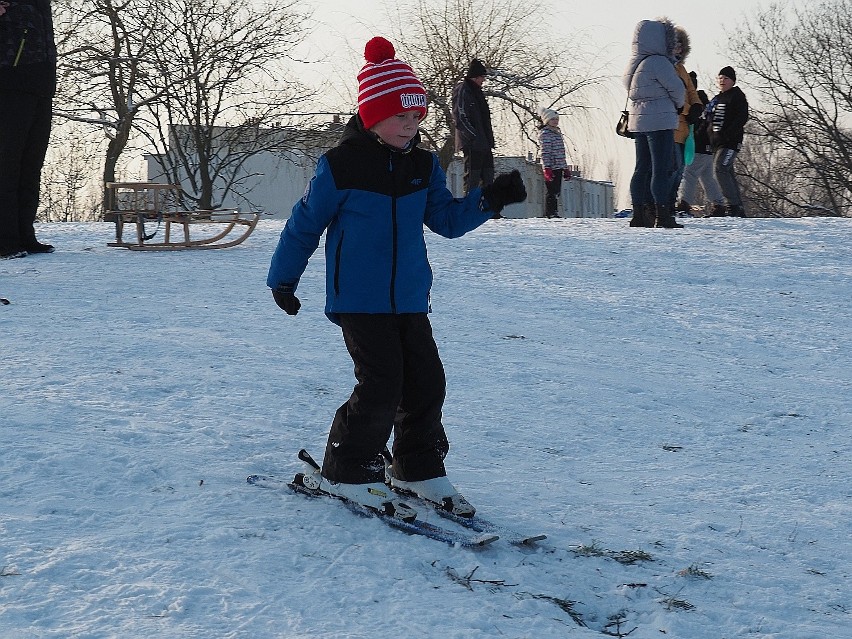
<point>507,188</point>
<point>286,300</point>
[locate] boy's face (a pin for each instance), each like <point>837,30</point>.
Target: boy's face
<point>725,83</point>
<point>397,130</point>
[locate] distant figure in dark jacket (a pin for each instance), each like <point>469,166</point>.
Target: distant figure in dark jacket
<point>726,116</point>
<point>27,86</point>
<point>474,135</point>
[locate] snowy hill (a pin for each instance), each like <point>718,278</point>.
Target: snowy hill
<point>671,407</point>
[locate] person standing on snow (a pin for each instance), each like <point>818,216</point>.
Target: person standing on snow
<point>474,135</point>
<point>691,112</point>
<point>371,196</point>
<point>726,117</point>
<point>701,169</point>
<point>27,87</point>
<point>656,95</point>
<point>553,162</point>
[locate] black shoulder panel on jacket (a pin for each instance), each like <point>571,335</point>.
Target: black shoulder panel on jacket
<point>366,165</point>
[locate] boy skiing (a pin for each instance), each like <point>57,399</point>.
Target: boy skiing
<point>371,195</point>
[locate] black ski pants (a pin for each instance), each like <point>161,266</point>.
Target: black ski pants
<point>401,389</point>
<point>25,121</point>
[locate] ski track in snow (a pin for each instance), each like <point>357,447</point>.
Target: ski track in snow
<point>671,408</point>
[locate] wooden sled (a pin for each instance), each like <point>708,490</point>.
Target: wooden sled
<point>147,203</point>
<point>226,220</point>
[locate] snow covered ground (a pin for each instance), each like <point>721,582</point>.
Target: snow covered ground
<point>672,408</point>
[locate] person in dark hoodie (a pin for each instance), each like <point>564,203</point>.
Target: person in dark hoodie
<point>27,86</point>
<point>371,196</point>
<point>474,135</point>
<point>701,169</point>
<point>656,95</point>
<point>726,116</point>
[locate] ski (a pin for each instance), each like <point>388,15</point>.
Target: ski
<point>476,523</point>
<point>415,527</point>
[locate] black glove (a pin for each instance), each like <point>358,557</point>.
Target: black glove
<point>285,299</point>
<point>694,114</point>
<point>507,188</point>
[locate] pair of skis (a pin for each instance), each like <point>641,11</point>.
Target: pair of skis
<point>477,532</point>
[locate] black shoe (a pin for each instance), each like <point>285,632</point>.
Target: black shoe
<point>38,247</point>
<point>11,255</point>
<point>718,211</point>
<point>736,211</point>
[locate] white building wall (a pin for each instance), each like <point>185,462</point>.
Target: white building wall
<point>278,183</point>
<point>579,197</point>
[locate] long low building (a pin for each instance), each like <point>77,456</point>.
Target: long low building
<point>273,181</point>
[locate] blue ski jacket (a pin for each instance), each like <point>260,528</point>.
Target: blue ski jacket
<point>372,202</point>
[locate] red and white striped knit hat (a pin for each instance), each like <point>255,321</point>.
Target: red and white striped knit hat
<point>387,86</point>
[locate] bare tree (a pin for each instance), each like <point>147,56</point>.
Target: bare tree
<point>440,39</point>
<point>105,52</point>
<point>798,65</point>
<point>67,193</point>
<point>224,94</point>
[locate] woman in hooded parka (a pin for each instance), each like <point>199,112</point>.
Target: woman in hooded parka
<point>656,95</point>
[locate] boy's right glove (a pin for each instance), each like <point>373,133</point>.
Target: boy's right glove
<point>507,188</point>
<point>286,300</point>
<point>548,175</point>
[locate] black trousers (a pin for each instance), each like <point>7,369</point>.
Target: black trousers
<point>554,187</point>
<point>401,389</point>
<point>25,121</point>
<point>478,168</point>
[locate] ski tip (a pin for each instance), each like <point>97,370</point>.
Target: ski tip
<point>484,540</point>
<point>532,539</point>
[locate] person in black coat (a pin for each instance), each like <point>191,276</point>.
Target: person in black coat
<point>726,116</point>
<point>474,135</point>
<point>27,86</point>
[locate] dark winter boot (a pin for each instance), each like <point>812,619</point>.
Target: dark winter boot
<point>736,211</point>
<point>718,211</point>
<point>643,216</point>
<point>650,216</point>
<point>638,219</point>
<point>683,207</point>
<point>666,218</point>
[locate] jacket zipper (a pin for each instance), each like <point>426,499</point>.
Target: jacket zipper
<point>21,48</point>
<point>395,237</point>
<point>337,265</point>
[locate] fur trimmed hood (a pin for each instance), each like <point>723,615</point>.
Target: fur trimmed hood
<point>683,36</point>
